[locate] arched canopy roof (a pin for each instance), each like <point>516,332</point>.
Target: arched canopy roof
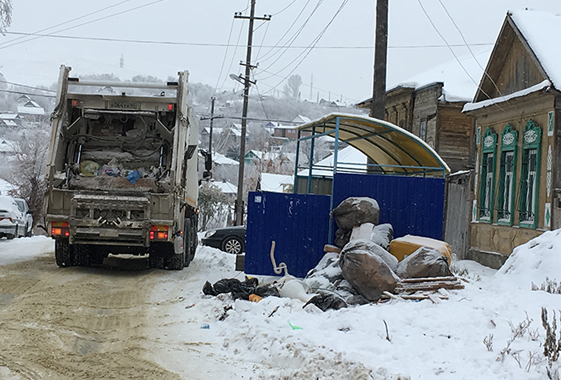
<point>393,149</point>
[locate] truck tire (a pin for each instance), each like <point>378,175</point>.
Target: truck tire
<point>156,261</point>
<point>82,255</point>
<point>63,253</point>
<point>177,262</point>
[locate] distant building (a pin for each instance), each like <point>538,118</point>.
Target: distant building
<point>30,109</point>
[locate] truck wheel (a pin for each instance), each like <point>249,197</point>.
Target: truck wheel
<point>156,261</point>
<point>82,255</point>
<point>63,253</point>
<point>177,262</point>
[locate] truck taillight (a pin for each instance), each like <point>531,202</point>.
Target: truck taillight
<point>60,229</point>
<point>170,107</point>
<point>74,103</point>
<point>159,232</point>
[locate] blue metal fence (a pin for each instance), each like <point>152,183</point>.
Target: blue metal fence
<point>412,205</point>
<point>298,223</point>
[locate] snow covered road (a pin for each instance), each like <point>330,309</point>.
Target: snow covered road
<point>123,321</point>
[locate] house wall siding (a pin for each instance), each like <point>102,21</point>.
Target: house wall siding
<point>455,137</point>
<point>499,238</point>
<point>519,72</point>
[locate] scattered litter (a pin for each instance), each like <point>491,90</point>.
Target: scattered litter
<point>294,327</point>
<point>89,168</point>
<point>189,306</point>
<point>255,298</point>
<point>205,326</point>
<point>225,314</point>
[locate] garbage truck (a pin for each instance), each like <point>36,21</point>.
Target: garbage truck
<point>121,172</point>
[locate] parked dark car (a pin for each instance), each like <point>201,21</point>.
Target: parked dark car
<point>227,239</point>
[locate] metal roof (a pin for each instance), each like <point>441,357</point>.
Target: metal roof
<point>392,149</point>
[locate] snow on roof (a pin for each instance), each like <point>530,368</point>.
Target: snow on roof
<point>539,28</point>
<point>221,159</point>
<point>301,119</point>
<point>6,146</point>
<point>346,158</point>
<point>286,126</point>
<point>9,123</point>
<point>226,187</point>
<point>215,130</point>
<point>460,78</point>
<point>500,99</point>
<point>275,182</point>
<point>8,116</point>
<point>27,110</point>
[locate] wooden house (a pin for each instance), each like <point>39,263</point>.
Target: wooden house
<point>431,111</point>
<point>517,183</point>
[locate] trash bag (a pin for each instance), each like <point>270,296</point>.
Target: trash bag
<point>268,290</point>
<point>326,273</point>
<point>355,211</point>
<point>89,168</point>
<point>342,237</point>
<point>382,234</point>
<point>134,176</point>
<point>326,301</point>
<point>424,262</point>
<point>367,272</point>
<point>373,248</point>
<point>240,289</point>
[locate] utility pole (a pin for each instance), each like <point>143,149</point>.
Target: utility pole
<point>208,156</point>
<point>378,106</point>
<point>247,83</point>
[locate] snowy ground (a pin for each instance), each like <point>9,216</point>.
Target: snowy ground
<point>423,340</point>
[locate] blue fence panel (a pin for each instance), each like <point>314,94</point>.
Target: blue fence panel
<point>412,205</point>
<point>299,225</point>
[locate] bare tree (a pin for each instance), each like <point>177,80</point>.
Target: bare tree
<point>26,173</point>
<point>214,206</point>
<point>292,86</point>
<point>5,14</point>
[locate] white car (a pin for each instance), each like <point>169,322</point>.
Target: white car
<point>13,221</point>
<point>24,208</point>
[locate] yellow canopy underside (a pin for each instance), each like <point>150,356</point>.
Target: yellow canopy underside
<point>396,150</point>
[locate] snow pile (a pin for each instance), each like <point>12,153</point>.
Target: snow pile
<point>533,262</point>
<point>22,249</point>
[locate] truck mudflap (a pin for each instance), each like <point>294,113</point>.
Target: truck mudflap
<point>109,219</point>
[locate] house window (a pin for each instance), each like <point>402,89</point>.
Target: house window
<point>505,203</point>
<point>487,185</point>
<point>423,130</point>
<point>529,181</point>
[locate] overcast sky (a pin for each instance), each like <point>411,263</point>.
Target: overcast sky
<point>204,38</point>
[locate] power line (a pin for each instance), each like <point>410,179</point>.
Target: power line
<point>469,48</point>
<point>293,38</point>
<point>92,21</point>
<point>28,93</point>
<point>314,42</point>
<point>284,9</point>
<point>205,44</point>
<point>24,85</point>
<point>452,51</point>
<point>63,23</point>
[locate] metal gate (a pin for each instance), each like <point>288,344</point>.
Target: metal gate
<point>412,205</point>
<point>299,225</point>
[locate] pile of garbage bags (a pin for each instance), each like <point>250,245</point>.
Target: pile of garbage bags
<point>363,265</point>
<point>288,286</point>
